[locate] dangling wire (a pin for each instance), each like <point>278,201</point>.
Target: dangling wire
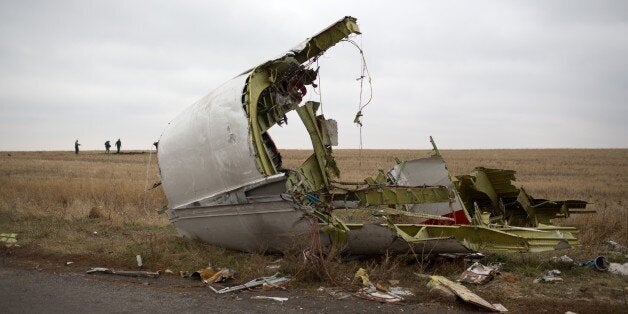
<point>364,73</point>
<point>320,91</point>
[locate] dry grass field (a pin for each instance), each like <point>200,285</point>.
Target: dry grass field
<point>47,197</point>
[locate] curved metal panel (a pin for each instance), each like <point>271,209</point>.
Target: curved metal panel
<point>205,150</point>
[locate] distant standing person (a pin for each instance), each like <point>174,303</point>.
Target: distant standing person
<point>107,146</point>
<point>76,147</point>
<point>118,145</point>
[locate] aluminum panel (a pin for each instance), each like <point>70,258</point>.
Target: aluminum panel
<point>205,150</point>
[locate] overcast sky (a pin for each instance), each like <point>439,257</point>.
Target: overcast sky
<point>495,74</point>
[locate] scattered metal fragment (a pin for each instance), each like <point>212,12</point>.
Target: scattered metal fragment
<point>564,261</point>
<point>127,273</point>
<point>400,291</point>
<point>213,274</point>
<point>274,280</point>
<point>618,269</point>
<point>550,276</point>
<point>8,239</point>
<point>371,293</point>
<point>362,276</point>
<point>263,297</point>
<point>500,307</point>
<point>168,271</point>
<point>68,263</point>
<point>138,258</point>
<point>466,295</point>
<point>381,291</point>
<point>479,274</point>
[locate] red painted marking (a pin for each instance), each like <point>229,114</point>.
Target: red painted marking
<point>459,219</point>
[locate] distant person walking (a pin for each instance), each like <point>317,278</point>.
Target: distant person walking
<point>76,147</point>
<point>118,145</point>
<point>107,146</point>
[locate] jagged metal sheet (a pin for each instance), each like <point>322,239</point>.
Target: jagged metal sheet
<point>430,171</point>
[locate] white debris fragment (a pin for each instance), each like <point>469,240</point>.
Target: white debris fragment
<point>563,260</point>
<point>619,269</point>
<point>550,276</point>
<point>139,261</point>
<point>479,274</point>
<point>263,297</point>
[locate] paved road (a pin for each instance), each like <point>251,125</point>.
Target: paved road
<point>32,291</point>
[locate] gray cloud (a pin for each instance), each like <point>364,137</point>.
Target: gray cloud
<point>473,75</point>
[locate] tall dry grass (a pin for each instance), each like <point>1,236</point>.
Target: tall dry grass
<point>69,186</point>
<point>47,196</point>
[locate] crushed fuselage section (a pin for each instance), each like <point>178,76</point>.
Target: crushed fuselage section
<point>226,185</point>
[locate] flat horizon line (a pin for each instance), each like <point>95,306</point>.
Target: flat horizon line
<point>337,149</point>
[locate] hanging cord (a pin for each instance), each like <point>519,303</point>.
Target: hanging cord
<point>364,73</point>
<point>150,152</point>
<point>320,91</point>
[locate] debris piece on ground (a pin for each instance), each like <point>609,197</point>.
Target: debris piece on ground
<point>400,291</point>
<point>127,273</point>
<point>8,239</point>
<point>140,263</point>
<point>464,293</point>
<point>499,307</point>
<point>168,271</point>
<point>361,274</point>
<point>273,280</point>
<point>184,274</point>
<point>68,263</point>
<point>213,274</point>
<point>479,274</point>
<point>564,261</point>
<point>550,276</point>
<point>371,293</point>
<point>616,246</point>
<point>619,269</point>
<point>599,263</point>
<point>263,297</point>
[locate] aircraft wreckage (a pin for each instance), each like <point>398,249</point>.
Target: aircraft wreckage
<point>225,184</point>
